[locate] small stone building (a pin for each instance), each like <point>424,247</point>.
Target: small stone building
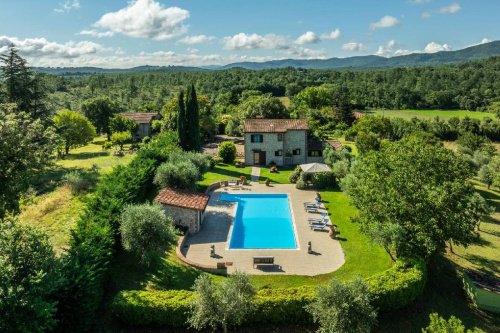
<point>144,121</point>
<point>186,208</point>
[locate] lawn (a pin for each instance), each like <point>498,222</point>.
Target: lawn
<point>55,209</point>
<point>431,114</point>
<point>223,172</point>
<point>280,177</point>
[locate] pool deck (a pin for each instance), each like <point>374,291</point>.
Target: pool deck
<point>216,230</point>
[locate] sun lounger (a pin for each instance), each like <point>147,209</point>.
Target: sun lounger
<point>317,227</point>
<point>317,221</point>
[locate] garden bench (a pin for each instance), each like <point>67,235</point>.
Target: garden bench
<point>263,261</point>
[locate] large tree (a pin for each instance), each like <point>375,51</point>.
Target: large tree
<point>26,148</point>
<point>182,122</point>
<point>28,277</point>
<point>22,86</point>
<point>99,111</point>
<point>264,106</point>
<point>192,120</point>
<point>120,123</point>
<point>74,129</point>
<point>413,196</point>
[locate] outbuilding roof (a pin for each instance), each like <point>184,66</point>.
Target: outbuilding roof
<point>182,198</point>
<point>273,125</point>
<point>140,117</point>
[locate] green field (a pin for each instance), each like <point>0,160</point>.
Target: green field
<point>280,177</point>
<point>431,114</point>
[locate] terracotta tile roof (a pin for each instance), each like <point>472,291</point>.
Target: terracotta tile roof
<point>141,117</point>
<point>182,198</point>
<point>273,125</point>
<point>337,145</point>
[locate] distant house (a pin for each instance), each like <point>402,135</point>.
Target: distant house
<point>185,207</point>
<point>282,141</point>
<point>143,120</point>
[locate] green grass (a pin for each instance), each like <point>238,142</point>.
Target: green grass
<point>93,154</point>
<point>431,114</point>
<point>351,144</point>
<point>223,172</point>
<point>280,177</point>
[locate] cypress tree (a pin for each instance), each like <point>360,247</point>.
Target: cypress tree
<point>181,122</point>
<point>193,120</point>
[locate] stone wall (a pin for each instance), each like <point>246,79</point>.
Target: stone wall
<point>296,140</point>
<point>183,217</point>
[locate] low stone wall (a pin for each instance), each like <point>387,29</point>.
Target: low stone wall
<point>219,268</point>
<point>212,187</point>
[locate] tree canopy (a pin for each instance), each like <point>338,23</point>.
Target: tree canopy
<point>99,111</point>
<point>74,129</point>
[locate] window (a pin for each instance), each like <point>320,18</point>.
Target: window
<point>257,138</point>
<point>314,153</point>
<point>296,151</point>
<point>280,136</point>
<point>278,153</point>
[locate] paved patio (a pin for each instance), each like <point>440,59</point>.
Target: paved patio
<point>327,253</point>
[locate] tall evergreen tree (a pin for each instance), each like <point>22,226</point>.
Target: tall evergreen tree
<point>182,122</point>
<point>193,120</point>
<point>23,87</point>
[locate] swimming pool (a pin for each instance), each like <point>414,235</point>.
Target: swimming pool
<point>262,221</point>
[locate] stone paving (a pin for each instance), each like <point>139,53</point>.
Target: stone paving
<point>255,174</point>
<point>216,229</point>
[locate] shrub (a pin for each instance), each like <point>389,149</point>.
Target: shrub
<point>107,145</point>
<point>181,175</point>
<point>75,181</point>
<point>322,180</point>
<point>453,325</point>
<point>301,182</point>
<point>146,139</point>
<point>227,151</point>
<point>169,308</point>
<point>399,285</point>
<point>146,231</point>
<point>121,138</point>
<point>343,307</point>
<point>293,177</point>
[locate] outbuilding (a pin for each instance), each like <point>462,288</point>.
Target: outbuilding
<point>186,208</point>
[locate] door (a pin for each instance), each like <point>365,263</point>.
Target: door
<point>259,157</point>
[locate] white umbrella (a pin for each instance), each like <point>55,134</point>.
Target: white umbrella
<point>315,167</point>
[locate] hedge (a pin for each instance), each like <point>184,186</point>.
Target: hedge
<point>399,285</point>
<point>170,307</point>
<point>393,289</point>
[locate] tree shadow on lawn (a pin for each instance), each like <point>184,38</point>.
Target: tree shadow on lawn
<point>85,155</point>
<point>492,197</point>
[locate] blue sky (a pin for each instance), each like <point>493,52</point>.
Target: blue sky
<point>120,33</point>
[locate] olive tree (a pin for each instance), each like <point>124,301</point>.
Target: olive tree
<point>343,307</point>
<point>227,151</point>
<point>181,175</point>
<point>221,305</point>
<point>74,129</point>
<point>146,231</point>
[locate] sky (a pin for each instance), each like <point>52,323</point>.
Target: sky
<point>123,34</point>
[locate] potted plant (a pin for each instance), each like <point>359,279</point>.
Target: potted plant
<point>268,182</point>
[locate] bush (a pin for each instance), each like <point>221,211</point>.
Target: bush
<point>79,181</point>
<point>181,175</point>
<point>146,139</point>
<point>107,145</point>
<point>453,325</point>
<point>121,138</point>
<point>322,180</point>
<point>301,183</point>
<point>293,177</point>
<point>202,161</point>
<point>399,285</point>
<point>169,308</point>
<point>227,151</point>
<point>146,231</point>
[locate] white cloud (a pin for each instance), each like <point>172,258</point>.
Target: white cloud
<point>301,52</point>
<point>308,37</point>
<point>485,40</point>
<point>95,33</point>
<point>419,2</point>
<point>433,47</point>
<point>67,6</point>
<point>385,22</point>
<point>41,47</point>
<point>450,9</point>
<point>353,47</point>
<point>145,19</point>
<point>387,49</point>
<point>197,39</point>
<point>243,41</point>
<point>335,34</point>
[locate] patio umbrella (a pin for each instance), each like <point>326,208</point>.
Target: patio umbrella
<point>315,167</point>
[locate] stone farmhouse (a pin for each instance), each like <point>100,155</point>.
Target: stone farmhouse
<point>143,120</point>
<point>282,141</point>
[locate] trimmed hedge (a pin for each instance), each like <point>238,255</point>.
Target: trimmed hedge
<point>393,289</point>
<point>170,307</point>
<point>399,285</point>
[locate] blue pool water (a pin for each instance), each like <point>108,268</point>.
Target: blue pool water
<point>262,221</point>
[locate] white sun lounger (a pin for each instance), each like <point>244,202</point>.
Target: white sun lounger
<point>317,227</point>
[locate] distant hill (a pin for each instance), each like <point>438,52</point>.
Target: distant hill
<point>372,61</point>
<point>360,62</point>
<point>96,70</point>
